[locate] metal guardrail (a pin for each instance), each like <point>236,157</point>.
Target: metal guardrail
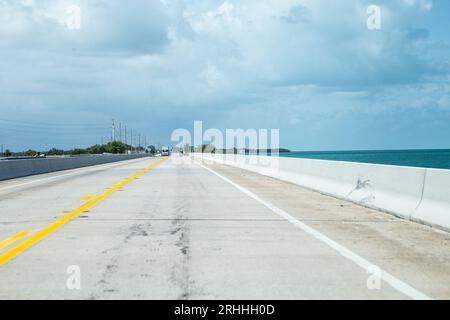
<point>64,156</point>
<point>15,168</point>
<point>21,158</point>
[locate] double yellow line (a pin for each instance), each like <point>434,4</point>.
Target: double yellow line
<point>5,257</point>
<point>17,237</point>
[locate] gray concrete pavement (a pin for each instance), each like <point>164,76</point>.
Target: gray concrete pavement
<point>181,232</point>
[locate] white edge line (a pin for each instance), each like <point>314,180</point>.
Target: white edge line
<point>394,282</point>
<point>73,172</point>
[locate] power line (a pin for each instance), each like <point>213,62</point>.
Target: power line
<point>31,127</point>
<point>51,124</point>
<point>58,132</point>
<point>9,130</point>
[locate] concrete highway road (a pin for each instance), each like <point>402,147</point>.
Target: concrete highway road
<point>157,229</point>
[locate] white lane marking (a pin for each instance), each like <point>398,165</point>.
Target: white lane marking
<point>394,282</point>
<point>73,172</point>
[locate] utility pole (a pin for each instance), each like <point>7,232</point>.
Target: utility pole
<point>126,140</point>
<point>113,133</point>
<point>131,139</point>
<point>120,131</point>
<point>139,147</point>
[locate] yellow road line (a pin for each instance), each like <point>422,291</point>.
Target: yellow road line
<point>4,258</point>
<point>7,242</point>
<point>89,197</point>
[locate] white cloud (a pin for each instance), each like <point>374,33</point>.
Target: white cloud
<point>180,60</point>
<point>425,5</point>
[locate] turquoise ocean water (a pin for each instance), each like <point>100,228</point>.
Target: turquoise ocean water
<point>439,159</point>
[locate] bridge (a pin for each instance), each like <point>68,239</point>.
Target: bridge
<point>159,228</point>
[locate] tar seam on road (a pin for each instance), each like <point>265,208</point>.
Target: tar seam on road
<point>7,256</point>
<point>394,282</point>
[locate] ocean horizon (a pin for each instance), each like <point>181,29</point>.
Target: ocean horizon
<point>423,158</point>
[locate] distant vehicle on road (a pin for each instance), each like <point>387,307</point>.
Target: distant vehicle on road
<point>165,152</point>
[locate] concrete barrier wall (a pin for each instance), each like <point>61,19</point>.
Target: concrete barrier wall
<point>435,204</point>
<point>417,194</point>
<point>10,169</point>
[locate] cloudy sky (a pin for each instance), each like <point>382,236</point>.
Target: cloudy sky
<point>311,68</point>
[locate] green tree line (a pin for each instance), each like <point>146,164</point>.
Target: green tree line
<point>115,147</point>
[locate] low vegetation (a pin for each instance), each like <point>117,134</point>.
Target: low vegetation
<point>114,147</point>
